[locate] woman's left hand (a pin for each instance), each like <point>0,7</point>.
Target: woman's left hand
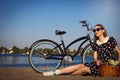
<point>119,59</point>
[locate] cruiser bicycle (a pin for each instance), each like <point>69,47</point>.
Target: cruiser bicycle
<point>47,55</point>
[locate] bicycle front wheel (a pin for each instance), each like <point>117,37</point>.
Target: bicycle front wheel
<point>45,55</point>
<point>87,54</point>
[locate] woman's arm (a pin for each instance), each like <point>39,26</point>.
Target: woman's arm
<point>118,51</point>
<point>98,62</point>
<point>95,56</point>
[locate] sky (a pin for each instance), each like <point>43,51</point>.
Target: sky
<point>22,22</point>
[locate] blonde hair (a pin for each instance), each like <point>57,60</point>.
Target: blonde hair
<point>104,34</point>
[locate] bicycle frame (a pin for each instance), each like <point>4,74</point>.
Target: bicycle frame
<point>64,48</point>
<point>84,38</point>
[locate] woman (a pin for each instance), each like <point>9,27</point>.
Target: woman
<point>103,47</point>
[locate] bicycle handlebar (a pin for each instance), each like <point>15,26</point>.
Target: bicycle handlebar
<point>85,24</point>
<point>82,21</point>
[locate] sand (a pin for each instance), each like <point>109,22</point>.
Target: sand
<point>27,73</point>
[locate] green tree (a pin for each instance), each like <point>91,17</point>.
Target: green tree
<point>24,50</point>
<point>3,50</point>
<point>16,49</point>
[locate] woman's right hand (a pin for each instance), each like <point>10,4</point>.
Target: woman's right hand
<point>99,62</point>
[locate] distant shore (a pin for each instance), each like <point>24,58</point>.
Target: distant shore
<point>16,73</point>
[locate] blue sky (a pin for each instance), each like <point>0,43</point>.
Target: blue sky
<point>24,21</point>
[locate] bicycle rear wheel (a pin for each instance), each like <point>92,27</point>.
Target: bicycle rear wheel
<point>87,54</point>
<point>45,55</point>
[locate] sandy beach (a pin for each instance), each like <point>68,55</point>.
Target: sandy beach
<point>11,73</point>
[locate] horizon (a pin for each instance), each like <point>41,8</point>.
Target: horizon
<point>23,22</point>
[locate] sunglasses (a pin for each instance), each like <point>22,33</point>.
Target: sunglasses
<point>97,29</point>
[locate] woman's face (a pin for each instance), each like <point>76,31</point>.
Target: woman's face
<point>98,31</point>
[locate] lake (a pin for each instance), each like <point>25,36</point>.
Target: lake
<point>21,60</point>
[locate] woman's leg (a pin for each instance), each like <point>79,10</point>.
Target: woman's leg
<point>75,69</point>
<point>71,69</point>
<point>80,71</point>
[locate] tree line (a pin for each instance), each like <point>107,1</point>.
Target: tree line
<point>14,49</point>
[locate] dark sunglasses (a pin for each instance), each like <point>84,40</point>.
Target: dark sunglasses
<point>97,29</point>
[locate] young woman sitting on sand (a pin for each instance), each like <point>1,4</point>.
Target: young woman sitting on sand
<point>103,47</point>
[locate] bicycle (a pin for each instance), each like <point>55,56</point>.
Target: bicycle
<point>47,55</point>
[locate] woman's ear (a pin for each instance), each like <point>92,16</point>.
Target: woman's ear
<point>103,30</point>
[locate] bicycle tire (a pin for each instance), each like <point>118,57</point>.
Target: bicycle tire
<point>38,61</point>
<point>87,55</point>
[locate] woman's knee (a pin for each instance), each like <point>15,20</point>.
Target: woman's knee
<point>84,68</point>
<point>80,66</point>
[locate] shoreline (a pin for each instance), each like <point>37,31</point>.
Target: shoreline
<point>17,73</point>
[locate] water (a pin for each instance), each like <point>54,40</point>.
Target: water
<point>21,60</point>
<point>14,60</point>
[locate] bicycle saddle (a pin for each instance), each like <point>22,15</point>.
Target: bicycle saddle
<point>57,32</point>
